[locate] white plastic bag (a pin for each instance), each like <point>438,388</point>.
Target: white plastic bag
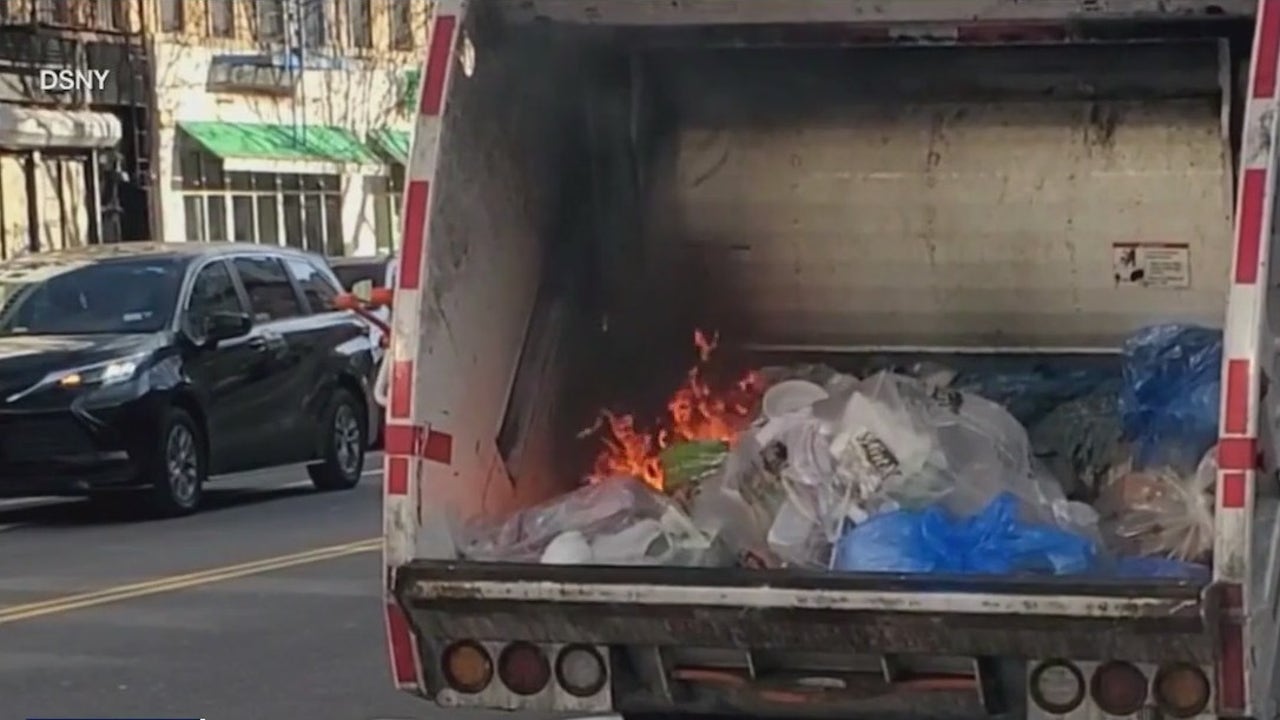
<point>619,521</point>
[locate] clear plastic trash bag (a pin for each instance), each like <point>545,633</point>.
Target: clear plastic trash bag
<point>967,450</point>
<point>622,521</point>
<point>890,442</point>
<point>737,506</point>
<point>1160,512</point>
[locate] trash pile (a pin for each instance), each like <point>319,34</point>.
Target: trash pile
<point>921,469</point>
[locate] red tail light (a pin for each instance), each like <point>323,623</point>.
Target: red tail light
<point>524,669</point>
<point>467,667</point>
<point>1182,690</point>
<point>1119,688</point>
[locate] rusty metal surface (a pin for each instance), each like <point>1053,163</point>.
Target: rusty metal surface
<point>1047,636</point>
<point>1146,621</point>
<point>455,572</point>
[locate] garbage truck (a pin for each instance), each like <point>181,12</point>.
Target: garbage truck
<point>824,178</point>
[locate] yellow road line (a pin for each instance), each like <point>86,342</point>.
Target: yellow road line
<point>66,603</point>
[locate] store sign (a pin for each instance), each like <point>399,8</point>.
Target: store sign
<point>253,74</point>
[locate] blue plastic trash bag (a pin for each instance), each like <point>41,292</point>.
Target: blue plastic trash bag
<point>1157,568</point>
<point>993,542</point>
<point>1169,402</point>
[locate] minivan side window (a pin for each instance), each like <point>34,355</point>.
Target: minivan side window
<point>314,284</point>
<point>213,291</point>
<point>267,284</point>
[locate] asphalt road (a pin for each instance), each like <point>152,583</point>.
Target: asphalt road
<point>300,637</point>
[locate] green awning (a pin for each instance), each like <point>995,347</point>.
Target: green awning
<point>392,143</point>
<point>260,147</point>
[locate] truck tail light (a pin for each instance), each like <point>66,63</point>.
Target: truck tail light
<point>1057,686</point>
<point>524,669</point>
<point>1182,690</point>
<point>467,667</point>
<point>580,670</point>
<point>1119,688</point>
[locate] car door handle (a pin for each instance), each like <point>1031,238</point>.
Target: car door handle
<point>258,343</point>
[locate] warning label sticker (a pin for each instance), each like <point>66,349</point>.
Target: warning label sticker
<point>1153,265</point>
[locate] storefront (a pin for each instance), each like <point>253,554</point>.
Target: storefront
<point>51,164</point>
<point>256,151</point>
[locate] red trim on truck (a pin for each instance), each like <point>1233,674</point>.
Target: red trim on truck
<point>404,661</point>
<point>397,476</point>
<point>1238,453</point>
<point>1233,490</point>
<point>1267,51</point>
<point>1235,417</point>
<point>438,447</point>
<point>1231,689</point>
<point>400,439</point>
<point>416,195</point>
<point>1253,188</point>
<point>438,55</point>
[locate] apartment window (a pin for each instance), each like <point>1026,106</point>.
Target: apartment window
<point>315,27</point>
<point>360,22</point>
<point>171,15</point>
<point>269,16</point>
<point>55,12</point>
<point>108,14</point>
<point>222,18</point>
<point>388,193</point>
<point>402,24</point>
<point>299,210</point>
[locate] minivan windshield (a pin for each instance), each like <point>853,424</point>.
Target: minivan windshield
<point>85,297</point>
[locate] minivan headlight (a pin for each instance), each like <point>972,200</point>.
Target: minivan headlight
<point>103,373</point>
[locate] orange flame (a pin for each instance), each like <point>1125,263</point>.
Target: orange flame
<point>696,411</point>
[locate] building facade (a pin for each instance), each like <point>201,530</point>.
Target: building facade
<point>74,124</point>
<point>284,121</point>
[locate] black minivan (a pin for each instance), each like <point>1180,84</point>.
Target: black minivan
<point>152,366</point>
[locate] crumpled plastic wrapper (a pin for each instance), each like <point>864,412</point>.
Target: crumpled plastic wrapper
<point>619,521</point>
<point>1160,513</point>
<point>738,506</point>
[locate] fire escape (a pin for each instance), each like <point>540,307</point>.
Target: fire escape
<point>80,35</point>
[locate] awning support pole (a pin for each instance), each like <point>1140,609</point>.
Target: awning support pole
<point>33,204</point>
<point>95,198</point>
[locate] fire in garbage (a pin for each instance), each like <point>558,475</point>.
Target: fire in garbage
<point>698,410</point>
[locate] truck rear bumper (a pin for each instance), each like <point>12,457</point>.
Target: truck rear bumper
<point>970,642</point>
<point>746,608</point>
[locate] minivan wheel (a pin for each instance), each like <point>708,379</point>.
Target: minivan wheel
<point>345,435</point>
<point>180,467</point>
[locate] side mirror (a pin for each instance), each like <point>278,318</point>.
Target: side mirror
<point>363,290</point>
<point>226,326</point>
